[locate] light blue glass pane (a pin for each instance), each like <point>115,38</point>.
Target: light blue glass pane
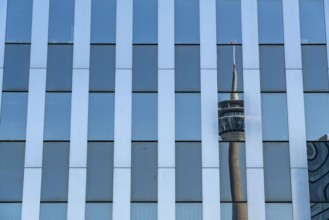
<point>225,186</point>
<point>144,211</point>
<point>188,116</point>
<point>226,209</point>
<point>316,115</point>
<point>187,30</point>
<point>61,21</point>
<point>145,116</point>
<point>185,211</point>
<point>11,211</point>
<point>50,211</point>
<point>101,116</point>
<point>57,116</point>
<point>274,117</point>
<point>270,21</point>
<point>145,21</point>
<point>19,21</point>
<point>312,23</point>
<point>55,171</point>
<point>11,170</point>
<point>228,21</point>
<point>13,116</point>
<point>103,21</point>
<point>278,211</point>
<point>99,211</point>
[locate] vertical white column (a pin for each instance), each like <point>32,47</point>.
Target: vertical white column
<point>209,115</point>
<point>123,111</point>
<point>79,111</point>
<point>3,18</point>
<point>35,111</point>
<point>296,115</point>
<point>252,102</point>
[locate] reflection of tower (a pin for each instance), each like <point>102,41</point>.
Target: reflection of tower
<point>231,128</point>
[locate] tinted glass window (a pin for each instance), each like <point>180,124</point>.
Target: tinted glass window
<point>98,211</point>
<point>279,211</point>
<point>144,211</point>
<point>16,77</point>
<point>11,211</point>
<point>55,211</point>
<point>226,209</point>
<point>59,67</point>
<point>103,21</point>
<point>190,211</point>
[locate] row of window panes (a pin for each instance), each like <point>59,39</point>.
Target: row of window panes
<point>145,17</point>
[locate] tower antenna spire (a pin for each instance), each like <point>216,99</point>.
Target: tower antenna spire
<point>234,94</point>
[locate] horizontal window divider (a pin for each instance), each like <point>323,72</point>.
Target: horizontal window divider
<point>16,202</point>
<point>101,141</point>
<point>191,141</point>
<point>241,142</point>
<point>136,202</point>
<point>17,43</point>
<point>57,202</point>
<point>144,91</point>
<point>49,91</point>
<point>95,202</point>
<point>52,43</point>
<point>102,44</point>
<point>321,202</point>
<point>12,141</point>
<point>230,202</point>
<point>181,44</point>
<point>271,44</point>
<point>194,202</point>
<point>317,141</point>
<point>105,92</point>
<point>276,141</point>
<point>177,92</point>
<point>15,91</point>
<point>271,92</point>
<point>54,141</point>
<point>278,202</point>
<point>228,91</point>
<point>140,141</point>
<point>313,44</point>
<point>229,44</point>
<point>310,92</point>
<point>145,44</point>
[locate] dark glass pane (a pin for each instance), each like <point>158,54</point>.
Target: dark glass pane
<point>144,171</point>
<point>319,211</point>
<point>99,211</point>
<point>103,21</point>
<point>11,211</point>
<point>102,67</point>
<point>145,68</point>
<point>282,211</point>
<point>55,171</point>
<point>187,68</point>
<point>59,68</point>
<point>188,211</point>
<point>53,211</point>
<point>16,77</point>
<point>188,172</point>
<point>11,171</point>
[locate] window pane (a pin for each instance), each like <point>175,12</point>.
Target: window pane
<point>13,116</point>
<point>188,116</point>
<point>103,21</point>
<point>145,116</point>
<point>227,151</point>
<point>10,211</point>
<point>59,68</point>
<point>270,22</point>
<point>144,171</point>
<point>102,67</point>
<point>272,68</point>
<point>228,21</point>
<point>187,22</point>
<point>312,25</point>
<point>101,116</point>
<point>57,116</point>
<point>98,211</point>
<point>315,68</point>
<point>144,211</point>
<point>227,209</point>
<point>225,67</point>
<point>277,172</point>
<point>278,211</point>
<point>61,20</point>
<point>319,211</point>
<point>19,21</point>
<point>188,172</point>
<point>49,211</point>
<point>100,171</point>
<point>11,170</point>
<point>188,211</point>
<point>274,117</point>
<point>55,171</point>
<point>145,21</point>
<point>187,68</point>
<point>316,115</point>
<point>16,77</point>
<point>145,68</point>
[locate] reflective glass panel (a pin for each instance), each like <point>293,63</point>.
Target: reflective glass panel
<point>145,21</point>
<point>188,211</point>
<point>16,77</point>
<point>57,116</point>
<point>13,116</point>
<point>227,210</point>
<point>55,171</point>
<point>187,30</point>
<point>145,68</point>
<point>53,211</point>
<point>279,211</point>
<point>59,68</point>
<point>61,21</point>
<point>99,211</point>
<point>315,68</point>
<point>187,68</point>
<point>228,21</point>
<point>145,116</point>
<point>188,116</point>
<point>319,211</point>
<point>10,211</point>
<point>312,23</point>
<point>103,21</point>
<point>144,171</point>
<point>11,171</point>
<point>101,116</point>
<point>100,171</point>
<point>102,67</point>
<point>19,20</point>
<point>144,211</point>
<point>188,172</point>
